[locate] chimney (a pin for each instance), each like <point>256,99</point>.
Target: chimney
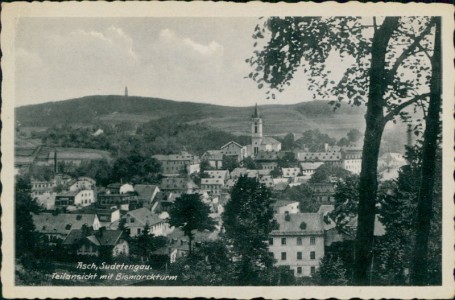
<point>409,135</point>
<point>55,161</point>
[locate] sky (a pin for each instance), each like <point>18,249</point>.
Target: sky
<point>183,59</point>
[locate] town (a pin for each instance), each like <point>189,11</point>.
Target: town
<point>82,218</point>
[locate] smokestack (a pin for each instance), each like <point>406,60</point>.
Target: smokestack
<point>409,135</point>
<point>55,161</point>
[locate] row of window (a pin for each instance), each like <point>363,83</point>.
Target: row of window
<point>299,270</point>
<point>299,241</point>
<point>299,255</point>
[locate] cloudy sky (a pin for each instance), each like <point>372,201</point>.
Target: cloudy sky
<point>185,59</point>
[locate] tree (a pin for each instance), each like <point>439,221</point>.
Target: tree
<point>343,142</point>
<point>346,202</point>
<point>314,140</point>
<point>331,271</point>
<point>304,194</point>
<point>288,160</point>
<point>249,163</point>
<point>390,73</point>
<point>354,135</point>
<point>230,162</point>
<point>288,142</point>
<point>189,213</point>
<point>26,237</point>
<point>248,221</point>
<point>328,172</point>
<point>428,175</point>
<point>210,265</point>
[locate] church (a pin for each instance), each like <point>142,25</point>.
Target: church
<point>259,142</point>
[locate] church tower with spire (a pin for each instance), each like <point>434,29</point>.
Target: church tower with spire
<point>256,131</point>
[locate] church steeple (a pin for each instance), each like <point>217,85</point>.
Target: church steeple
<point>126,91</point>
<point>256,112</point>
<point>256,131</point>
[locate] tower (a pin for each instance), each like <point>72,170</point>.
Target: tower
<point>256,131</point>
<point>126,91</point>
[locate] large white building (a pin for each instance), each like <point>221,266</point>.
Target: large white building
<point>298,242</point>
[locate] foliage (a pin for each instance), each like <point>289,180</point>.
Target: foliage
<point>391,72</point>
<point>331,271</point>
<point>329,172</point>
<point>288,160</point>
<point>346,202</point>
<point>145,243</point>
<point>288,142</point>
<point>249,163</point>
<point>314,140</point>
<point>41,172</point>
<point>248,220</point>
<point>209,265</point>
<point>230,162</point>
<point>189,213</point>
<point>276,172</point>
<point>354,135</point>
<point>136,168</point>
<point>304,194</point>
<point>27,238</point>
<point>398,206</point>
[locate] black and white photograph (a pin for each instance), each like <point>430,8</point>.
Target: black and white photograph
<point>300,151</point>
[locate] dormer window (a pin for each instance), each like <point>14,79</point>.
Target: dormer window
<point>303,226</point>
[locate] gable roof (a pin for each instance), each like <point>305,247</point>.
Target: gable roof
<point>213,155</point>
<point>231,142</point>
<point>311,165</point>
<point>213,181</point>
<point>318,156</point>
<point>61,223</point>
<point>293,224</point>
<point>144,216</point>
<point>145,191</point>
<point>217,173</point>
<point>177,183</point>
<point>100,238</point>
<point>267,155</point>
<point>269,140</point>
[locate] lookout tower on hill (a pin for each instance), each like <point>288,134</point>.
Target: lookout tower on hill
<point>126,91</point>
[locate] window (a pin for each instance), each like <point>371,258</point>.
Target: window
<point>138,231</point>
<point>312,240</point>
<point>299,255</point>
<point>283,241</point>
<point>283,255</point>
<point>299,241</point>
<point>312,255</point>
<point>299,270</point>
<point>313,270</point>
<point>270,241</point>
<point>255,128</point>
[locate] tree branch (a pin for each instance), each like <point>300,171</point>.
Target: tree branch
<point>408,51</point>
<point>393,112</point>
<point>418,45</point>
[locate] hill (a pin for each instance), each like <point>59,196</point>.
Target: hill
<point>278,119</point>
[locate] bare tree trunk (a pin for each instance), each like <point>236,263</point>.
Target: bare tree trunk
<point>419,273</point>
<point>375,122</point>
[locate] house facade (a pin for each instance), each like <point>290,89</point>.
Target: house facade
<point>175,164</point>
<point>234,149</point>
<point>213,186</point>
<point>137,219</point>
<point>298,242</point>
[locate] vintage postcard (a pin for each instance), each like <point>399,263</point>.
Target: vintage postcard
<point>199,149</point>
